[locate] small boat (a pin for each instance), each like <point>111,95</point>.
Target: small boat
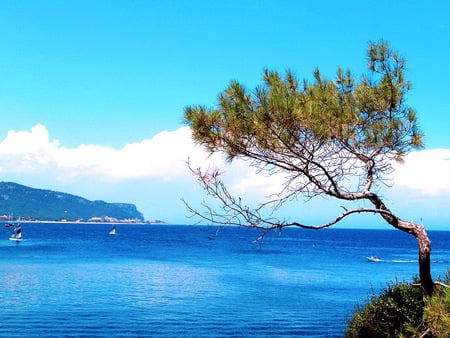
<point>374,259</point>
<point>16,235</point>
<point>113,230</point>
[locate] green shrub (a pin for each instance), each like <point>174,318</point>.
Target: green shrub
<point>391,314</point>
<point>436,314</point>
<point>403,310</point>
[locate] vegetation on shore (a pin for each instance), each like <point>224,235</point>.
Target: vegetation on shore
<point>30,204</point>
<point>403,310</point>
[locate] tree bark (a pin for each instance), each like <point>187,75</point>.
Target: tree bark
<point>419,232</point>
<point>424,258</point>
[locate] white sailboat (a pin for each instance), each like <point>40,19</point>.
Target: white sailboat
<point>113,230</point>
<point>16,235</point>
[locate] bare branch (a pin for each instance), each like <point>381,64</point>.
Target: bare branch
<point>441,284</point>
<point>233,212</point>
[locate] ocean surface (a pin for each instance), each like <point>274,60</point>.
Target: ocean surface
<point>76,280</point>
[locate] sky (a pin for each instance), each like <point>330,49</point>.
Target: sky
<point>92,93</point>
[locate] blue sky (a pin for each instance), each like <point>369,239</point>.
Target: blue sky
<point>92,92</point>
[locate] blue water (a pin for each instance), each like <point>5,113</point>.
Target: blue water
<point>71,280</point>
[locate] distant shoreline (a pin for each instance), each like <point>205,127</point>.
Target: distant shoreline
<point>431,229</point>
<point>86,222</point>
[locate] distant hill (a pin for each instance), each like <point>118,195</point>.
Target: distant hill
<point>38,204</point>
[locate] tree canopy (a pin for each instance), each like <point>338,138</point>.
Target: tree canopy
<point>326,131</point>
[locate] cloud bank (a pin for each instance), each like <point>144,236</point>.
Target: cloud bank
<point>164,157</point>
<point>425,171</point>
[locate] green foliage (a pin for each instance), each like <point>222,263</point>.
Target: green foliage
<point>437,311</point>
<point>29,203</point>
<point>403,310</point>
<point>369,116</point>
<point>330,132</point>
<point>399,307</point>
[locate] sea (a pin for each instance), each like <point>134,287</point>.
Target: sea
<point>158,280</point>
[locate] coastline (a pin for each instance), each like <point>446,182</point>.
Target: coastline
<point>90,222</point>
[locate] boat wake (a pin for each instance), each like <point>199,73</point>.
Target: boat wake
<point>379,260</point>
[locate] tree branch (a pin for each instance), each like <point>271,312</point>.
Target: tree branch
<point>235,213</point>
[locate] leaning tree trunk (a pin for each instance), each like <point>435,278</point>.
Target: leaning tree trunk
<point>419,232</point>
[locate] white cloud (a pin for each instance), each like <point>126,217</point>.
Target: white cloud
<point>427,171</point>
<point>163,156</point>
<point>27,150</point>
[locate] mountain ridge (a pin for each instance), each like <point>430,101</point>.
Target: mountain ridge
<point>40,204</point>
